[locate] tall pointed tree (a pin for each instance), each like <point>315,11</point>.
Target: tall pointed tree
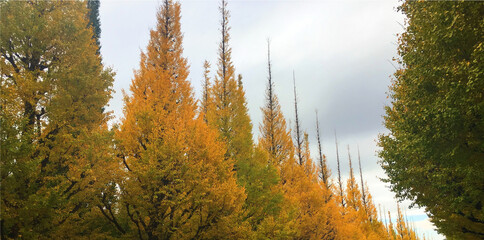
<point>275,137</point>
<point>228,112</point>
<point>340,183</point>
<point>298,137</point>
<point>206,86</point>
<point>324,172</point>
<point>177,183</point>
<point>363,192</point>
<point>353,194</point>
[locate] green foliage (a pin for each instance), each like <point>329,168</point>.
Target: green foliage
<point>166,172</point>
<point>260,179</point>
<point>53,134</point>
<point>94,22</point>
<point>434,153</point>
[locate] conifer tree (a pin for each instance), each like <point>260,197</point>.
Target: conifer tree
<point>55,147</point>
<point>275,138</point>
<point>177,183</point>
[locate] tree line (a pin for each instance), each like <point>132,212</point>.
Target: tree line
<point>175,167</point>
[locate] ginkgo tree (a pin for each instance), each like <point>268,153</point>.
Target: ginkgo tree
<point>55,145</point>
<point>173,167</point>
<point>176,182</point>
<point>434,152</point>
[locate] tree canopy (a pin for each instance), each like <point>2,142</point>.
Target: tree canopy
<point>55,145</point>
<point>434,152</point>
<point>175,167</point>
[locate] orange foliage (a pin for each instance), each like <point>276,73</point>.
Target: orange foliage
<point>177,183</point>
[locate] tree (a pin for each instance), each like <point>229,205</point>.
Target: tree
<point>55,147</point>
<point>206,86</point>
<point>433,153</point>
<point>353,194</point>
<point>305,199</point>
<point>340,183</point>
<point>275,138</point>
<point>297,131</point>
<point>176,183</point>
<point>403,229</point>
<point>94,22</point>
<point>324,172</point>
<point>228,108</point>
<point>228,113</point>
<point>364,197</point>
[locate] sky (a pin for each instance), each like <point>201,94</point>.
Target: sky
<point>340,51</point>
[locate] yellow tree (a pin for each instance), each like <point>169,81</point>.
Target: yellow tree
<point>177,183</point>
<point>206,86</point>
<point>339,188</point>
<point>54,140</point>
<point>404,231</point>
<point>353,209</point>
<point>298,136</point>
<point>324,172</point>
<point>312,216</point>
<point>228,108</point>
<point>391,230</point>
<point>372,227</point>
<point>275,137</point>
<point>228,114</point>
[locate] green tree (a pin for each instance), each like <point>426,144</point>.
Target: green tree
<point>228,113</point>
<point>434,152</point>
<point>94,22</point>
<point>55,145</point>
<point>227,110</point>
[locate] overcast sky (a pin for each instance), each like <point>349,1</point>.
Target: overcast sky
<point>341,53</point>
